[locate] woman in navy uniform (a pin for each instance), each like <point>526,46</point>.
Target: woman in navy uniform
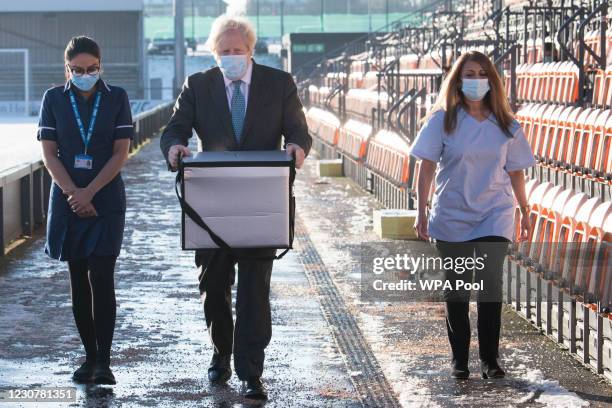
<point>85,128</point>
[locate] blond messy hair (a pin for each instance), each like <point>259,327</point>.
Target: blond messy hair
<point>225,23</point>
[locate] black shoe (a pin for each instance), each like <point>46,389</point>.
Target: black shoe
<point>491,369</point>
<point>460,371</point>
<point>104,375</point>
<point>254,389</point>
<point>219,370</point>
<point>84,373</point>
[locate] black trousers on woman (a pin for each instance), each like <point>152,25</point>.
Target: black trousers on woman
<point>92,288</point>
<point>492,251</point>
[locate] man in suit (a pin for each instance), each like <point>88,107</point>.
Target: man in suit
<point>239,105</point>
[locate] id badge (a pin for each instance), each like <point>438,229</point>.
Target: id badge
<point>83,161</point>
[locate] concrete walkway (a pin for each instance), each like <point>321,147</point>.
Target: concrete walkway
<point>161,348</point>
<point>329,348</point>
<point>409,339</point>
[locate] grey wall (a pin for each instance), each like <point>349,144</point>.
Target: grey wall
<point>46,34</point>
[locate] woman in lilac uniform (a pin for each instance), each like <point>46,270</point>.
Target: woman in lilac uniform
<point>480,152</point>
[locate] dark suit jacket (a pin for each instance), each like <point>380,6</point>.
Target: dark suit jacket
<point>273,110</point>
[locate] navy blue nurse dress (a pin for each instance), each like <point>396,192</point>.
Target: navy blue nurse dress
<point>70,237</point>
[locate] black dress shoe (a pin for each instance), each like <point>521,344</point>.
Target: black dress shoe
<point>104,375</point>
<point>254,389</point>
<point>491,369</point>
<point>84,373</point>
<point>460,372</point>
<point>219,370</point>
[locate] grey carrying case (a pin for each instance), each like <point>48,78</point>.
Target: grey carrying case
<point>237,200</point>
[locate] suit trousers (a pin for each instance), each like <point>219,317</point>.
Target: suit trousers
<point>253,328</point>
<point>492,251</point>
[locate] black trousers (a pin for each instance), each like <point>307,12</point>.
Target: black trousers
<point>491,250</point>
<point>253,328</point>
<point>92,289</point>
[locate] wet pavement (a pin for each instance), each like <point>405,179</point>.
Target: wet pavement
<point>328,349</point>
<point>161,348</point>
<point>409,339</point>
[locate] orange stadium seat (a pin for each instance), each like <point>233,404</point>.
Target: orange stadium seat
<point>564,230</point>
<point>535,199</point>
<point>360,102</point>
<point>409,61</point>
<point>603,162</point>
<point>551,217</point>
<point>602,95</point>
<point>542,224</point>
<point>577,223</point>
<point>388,155</point>
<point>591,271</point>
<point>551,81</point>
<point>355,80</point>
<point>323,124</point>
<point>353,137</point>
<point>370,80</point>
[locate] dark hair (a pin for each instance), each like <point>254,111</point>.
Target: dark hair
<point>81,45</point>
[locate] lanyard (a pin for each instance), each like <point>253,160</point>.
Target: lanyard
<point>86,137</point>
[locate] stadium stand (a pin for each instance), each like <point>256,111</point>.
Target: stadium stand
<point>555,59</point>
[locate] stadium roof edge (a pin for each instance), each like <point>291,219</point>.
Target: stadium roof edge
<point>34,6</point>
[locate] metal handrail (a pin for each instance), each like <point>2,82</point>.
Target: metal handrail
<point>411,103</point>
<point>331,95</point>
<point>395,106</point>
<point>366,37</point>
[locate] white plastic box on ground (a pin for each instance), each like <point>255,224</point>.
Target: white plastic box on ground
<point>244,197</point>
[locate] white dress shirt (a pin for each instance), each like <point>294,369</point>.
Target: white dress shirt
<point>244,88</point>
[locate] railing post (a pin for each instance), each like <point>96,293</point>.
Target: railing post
<point>513,55</point>
<point>599,338</point>
<point>26,204</point>
<point>38,197</point>
<point>1,221</point>
<point>46,190</point>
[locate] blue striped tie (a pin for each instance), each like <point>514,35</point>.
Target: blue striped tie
<point>238,107</point>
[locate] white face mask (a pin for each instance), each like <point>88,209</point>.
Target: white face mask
<point>233,66</point>
<point>85,82</point>
<point>475,89</point>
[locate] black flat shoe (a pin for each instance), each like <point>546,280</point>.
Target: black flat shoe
<point>219,370</point>
<point>460,372</point>
<point>104,375</point>
<point>254,389</point>
<point>84,374</point>
<point>491,369</point>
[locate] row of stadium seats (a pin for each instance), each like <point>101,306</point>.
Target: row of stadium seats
<point>570,241</point>
<point>593,40</point>
<point>386,152</point>
<point>550,81</point>
<point>564,138</point>
<point>570,138</point>
<point>360,102</point>
<point>558,215</point>
<point>568,252</point>
<point>602,88</point>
